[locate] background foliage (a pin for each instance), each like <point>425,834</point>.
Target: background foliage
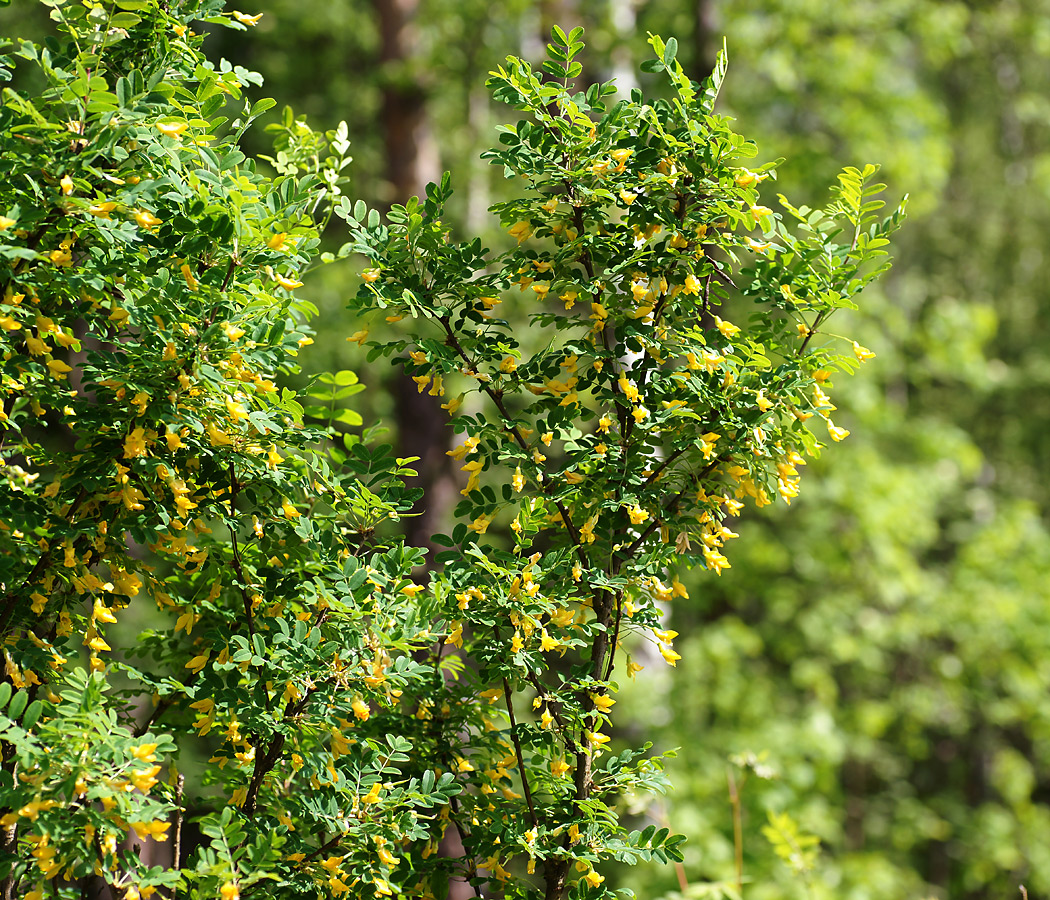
<point>886,642</point>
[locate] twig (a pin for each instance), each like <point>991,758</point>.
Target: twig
<point>517,752</point>
<point>574,535</point>
<point>177,850</point>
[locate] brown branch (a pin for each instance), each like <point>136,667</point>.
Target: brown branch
<point>177,850</point>
<point>615,637</point>
<point>517,752</point>
<point>552,705</point>
<point>229,274</point>
<point>162,706</point>
<point>574,535</point>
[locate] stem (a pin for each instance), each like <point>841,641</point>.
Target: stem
<point>234,487</point>
<point>229,274</point>
<point>161,707</point>
<point>177,851</point>
<point>497,399</point>
<point>554,711</point>
<point>518,753</point>
<point>265,763</point>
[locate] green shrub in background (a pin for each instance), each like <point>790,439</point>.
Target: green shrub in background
<point>357,714</point>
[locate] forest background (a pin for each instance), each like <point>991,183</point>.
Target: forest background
<point>886,641</point>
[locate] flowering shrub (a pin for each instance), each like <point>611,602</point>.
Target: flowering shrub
<point>355,713</point>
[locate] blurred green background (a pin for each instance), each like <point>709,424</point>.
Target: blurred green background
<point>886,640</point>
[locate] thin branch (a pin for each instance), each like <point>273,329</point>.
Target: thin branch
<point>552,705</point>
<point>574,535</point>
<point>517,752</point>
<point>177,850</point>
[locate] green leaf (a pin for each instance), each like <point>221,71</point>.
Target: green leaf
<point>18,704</point>
<point>670,51</point>
<point>32,714</point>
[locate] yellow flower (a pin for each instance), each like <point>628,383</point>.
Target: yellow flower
<point>36,346</point>
<point>480,524</point>
<point>103,614</point>
<point>727,328</point>
<point>508,365</point>
<point>760,212</point>
<point>229,890</point>
<point>863,353</point>
<point>361,709</point>
<point>746,178</point>
<point>145,218</point>
<point>173,440</point>
<point>628,197</point>
<point>837,434</point>
<point>628,388</point>
<point>474,468</point>
<point>102,210</point>
<point>596,738</point>
<point>62,257</point>
<point>290,512</point>
<point>547,642</point>
<point>521,231</point>
<point>670,657</point>
<point>198,662</point>
<point>593,878</point>
<point>155,829</point>
<point>66,184</point>
<point>171,129</point>
<point>188,277</point>
<point>59,368</point>
<point>587,530</point>
<point>518,481</point>
<point>135,443</point>
<point>455,636</point>
<point>637,514</point>
<point>249,21</point>
<point>289,284</point>
<point>559,767</point>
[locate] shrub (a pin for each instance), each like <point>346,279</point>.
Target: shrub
<point>160,473</point>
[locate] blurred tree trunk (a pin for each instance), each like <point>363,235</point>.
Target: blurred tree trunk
<point>705,31</point>
<point>411,162</point>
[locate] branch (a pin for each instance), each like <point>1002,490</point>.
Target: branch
<point>574,535</point>
<point>518,753</point>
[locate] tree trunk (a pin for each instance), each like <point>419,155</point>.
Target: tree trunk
<point>411,162</point>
